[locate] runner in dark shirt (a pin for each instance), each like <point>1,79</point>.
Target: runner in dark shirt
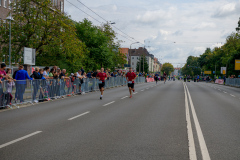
<point>156,77</point>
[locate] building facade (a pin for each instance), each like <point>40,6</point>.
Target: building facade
<point>5,7</point>
<point>156,65</point>
<point>125,52</point>
<point>135,55</point>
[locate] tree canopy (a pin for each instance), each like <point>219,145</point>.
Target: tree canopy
<point>58,40</point>
<point>167,68</point>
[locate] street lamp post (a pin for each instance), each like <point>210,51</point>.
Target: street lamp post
<point>130,53</point>
<point>10,19</point>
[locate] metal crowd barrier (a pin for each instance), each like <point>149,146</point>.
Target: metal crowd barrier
<point>14,93</point>
<point>233,82</point>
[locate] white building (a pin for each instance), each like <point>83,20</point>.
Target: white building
<point>135,55</point>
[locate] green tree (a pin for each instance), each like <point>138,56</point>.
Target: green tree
<point>100,41</point>
<point>140,64</point>
<point>167,68</point>
<point>50,32</point>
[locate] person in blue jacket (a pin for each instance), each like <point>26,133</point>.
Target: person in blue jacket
<point>21,77</point>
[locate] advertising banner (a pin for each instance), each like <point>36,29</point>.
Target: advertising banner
<point>207,72</point>
<point>237,64</point>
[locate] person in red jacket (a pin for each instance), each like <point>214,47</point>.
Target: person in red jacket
<point>102,77</point>
<point>131,76</point>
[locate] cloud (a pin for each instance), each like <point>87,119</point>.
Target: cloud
<point>164,22</point>
<point>156,16</point>
<point>204,25</point>
<point>227,10</point>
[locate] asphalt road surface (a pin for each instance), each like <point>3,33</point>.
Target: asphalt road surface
<point>171,121</point>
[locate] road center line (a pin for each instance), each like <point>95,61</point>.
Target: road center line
<point>78,116</point>
<point>202,143</point>
<point>191,144</point>
<point>108,103</point>
<point>19,139</point>
<point>124,97</point>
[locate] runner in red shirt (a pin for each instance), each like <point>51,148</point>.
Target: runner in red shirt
<point>165,77</point>
<point>102,77</point>
<point>131,76</point>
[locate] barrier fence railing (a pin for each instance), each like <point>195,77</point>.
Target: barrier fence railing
<point>233,82</point>
<point>14,93</point>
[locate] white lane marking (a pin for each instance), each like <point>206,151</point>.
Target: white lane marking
<point>147,88</point>
<point>202,143</point>
<point>135,93</point>
<point>191,144</point>
<point>78,116</point>
<point>219,89</point>
<point>124,97</point>
<point>142,90</point>
<point>108,103</point>
<point>224,92</point>
<point>19,139</point>
<point>232,95</point>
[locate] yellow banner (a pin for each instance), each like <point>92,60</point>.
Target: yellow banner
<point>207,72</point>
<point>237,64</point>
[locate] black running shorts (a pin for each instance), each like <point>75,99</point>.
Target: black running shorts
<point>131,85</point>
<point>101,85</point>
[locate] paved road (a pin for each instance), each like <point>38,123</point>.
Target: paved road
<point>165,121</point>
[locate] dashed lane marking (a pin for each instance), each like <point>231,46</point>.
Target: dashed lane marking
<point>19,139</point>
<point>124,97</point>
<point>232,95</point>
<point>109,103</point>
<point>142,90</point>
<point>78,116</point>
<point>224,92</point>
<point>135,93</point>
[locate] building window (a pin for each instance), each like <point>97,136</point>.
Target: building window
<point>0,2</point>
<point>132,57</point>
<point>5,3</point>
<point>9,4</point>
<point>132,63</point>
<point>62,6</point>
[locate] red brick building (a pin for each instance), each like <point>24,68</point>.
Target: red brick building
<point>5,7</point>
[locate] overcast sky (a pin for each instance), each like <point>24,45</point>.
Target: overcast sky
<point>193,24</point>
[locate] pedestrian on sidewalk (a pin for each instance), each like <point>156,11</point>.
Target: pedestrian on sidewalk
<point>21,77</point>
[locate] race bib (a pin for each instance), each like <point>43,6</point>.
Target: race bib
<point>129,82</point>
<point>100,82</point>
